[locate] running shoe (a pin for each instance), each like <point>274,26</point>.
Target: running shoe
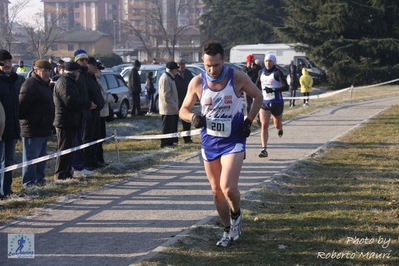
<point>263,154</point>
<point>235,228</point>
<point>225,241</point>
<point>280,133</point>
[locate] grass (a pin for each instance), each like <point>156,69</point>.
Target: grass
<point>350,190</point>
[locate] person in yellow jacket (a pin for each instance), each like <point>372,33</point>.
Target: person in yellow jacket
<point>306,83</point>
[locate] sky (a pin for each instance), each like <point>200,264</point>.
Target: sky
<point>31,8</point>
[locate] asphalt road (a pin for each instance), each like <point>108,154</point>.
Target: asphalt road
<point>127,222</point>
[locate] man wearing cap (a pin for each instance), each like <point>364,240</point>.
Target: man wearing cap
<point>169,103</point>
<point>182,79</point>
<point>91,130</point>
<point>273,83</point>
<point>69,105</point>
<point>135,87</point>
<point>10,84</point>
<point>79,163</point>
<point>36,117</point>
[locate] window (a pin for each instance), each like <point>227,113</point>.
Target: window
<point>54,47</point>
<point>111,80</point>
<point>71,47</point>
<point>76,5</point>
<point>77,15</point>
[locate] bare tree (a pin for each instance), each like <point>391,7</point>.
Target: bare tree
<point>160,29</point>
<point>6,24</point>
<point>43,35</point>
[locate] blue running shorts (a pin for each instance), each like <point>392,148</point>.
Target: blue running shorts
<point>213,154</point>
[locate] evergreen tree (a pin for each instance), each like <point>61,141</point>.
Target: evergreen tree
<point>355,40</point>
<point>235,22</point>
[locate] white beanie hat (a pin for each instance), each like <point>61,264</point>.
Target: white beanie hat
<point>271,57</point>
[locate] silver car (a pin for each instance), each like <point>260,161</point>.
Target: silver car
<point>157,70</point>
<point>114,83</point>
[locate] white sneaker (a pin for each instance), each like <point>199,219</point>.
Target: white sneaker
<point>82,172</point>
<point>235,228</point>
<point>225,241</point>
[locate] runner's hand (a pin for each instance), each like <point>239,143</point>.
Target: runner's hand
<point>198,121</point>
<point>244,129</point>
<point>269,90</point>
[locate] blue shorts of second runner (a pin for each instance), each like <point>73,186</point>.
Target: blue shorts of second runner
<point>213,154</point>
<point>275,108</point>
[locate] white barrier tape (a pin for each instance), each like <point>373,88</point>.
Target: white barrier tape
<point>165,136</point>
<point>329,94</point>
<point>51,156</point>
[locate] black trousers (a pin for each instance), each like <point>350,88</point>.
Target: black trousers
<point>103,133</point>
<point>169,125</point>
<point>91,132</point>
<point>136,104</point>
<point>65,140</point>
<point>292,94</point>
<point>186,127</point>
<point>306,94</point>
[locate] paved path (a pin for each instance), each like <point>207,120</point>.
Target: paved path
<point>126,222</point>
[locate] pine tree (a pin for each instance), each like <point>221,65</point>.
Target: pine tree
<point>355,40</point>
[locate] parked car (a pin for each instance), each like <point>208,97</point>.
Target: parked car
<point>121,67</point>
<point>114,83</point>
<point>157,70</point>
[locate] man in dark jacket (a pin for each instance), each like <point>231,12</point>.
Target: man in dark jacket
<point>135,87</point>
<point>182,80</point>
<point>10,84</point>
<point>36,114</point>
<point>68,116</point>
<point>91,129</point>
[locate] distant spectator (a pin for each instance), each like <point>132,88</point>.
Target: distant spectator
<point>149,85</point>
<point>306,82</point>
<point>60,70</point>
<point>292,81</point>
<point>10,85</point>
<point>169,104</point>
<point>56,69</point>
<point>29,74</point>
<point>154,61</point>
<point>53,66</point>
<point>21,67</point>
<point>135,87</point>
<point>36,114</point>
<point>183,78</point>
<point>252,69</point>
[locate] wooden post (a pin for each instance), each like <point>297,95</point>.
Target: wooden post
<point>116,146</point>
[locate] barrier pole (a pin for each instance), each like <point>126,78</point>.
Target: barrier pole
<point>351,90</point>
<point>116,146</point>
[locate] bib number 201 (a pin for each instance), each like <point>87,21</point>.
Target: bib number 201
<point>219,127</point>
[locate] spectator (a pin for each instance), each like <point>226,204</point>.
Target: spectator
<point>306,82</point>
<point>273,83</point>
<point>29,74</point>
<point>135,87</point>
<point>79,163</point>
<point>10,84</point>
<point>252,69</point>
<point>60,71</point>
<point>36,114</point>
<point>91,130</point>
<point>53,66</point>
<point>56,69</point>
<point>69,104</point>
<point>169,103</point>
<point>154,61</point>
<point>149,85</point>
<point>182,79</point>
<point>108,98</point>
<point>292,81</point>
<point>21,67</point>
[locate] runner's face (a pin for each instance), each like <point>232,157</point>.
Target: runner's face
<point>213,65</point>
<point>269,64</point>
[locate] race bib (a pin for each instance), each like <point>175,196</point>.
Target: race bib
<point>218,127</point>
<point>268,96</point>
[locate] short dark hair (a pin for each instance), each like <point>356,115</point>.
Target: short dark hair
<point>149,74</point>
<point>213,48</point>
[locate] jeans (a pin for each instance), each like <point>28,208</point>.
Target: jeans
<point>7,154</point>
<point>34,148</point>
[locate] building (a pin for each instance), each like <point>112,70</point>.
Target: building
<point>81,14</point>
